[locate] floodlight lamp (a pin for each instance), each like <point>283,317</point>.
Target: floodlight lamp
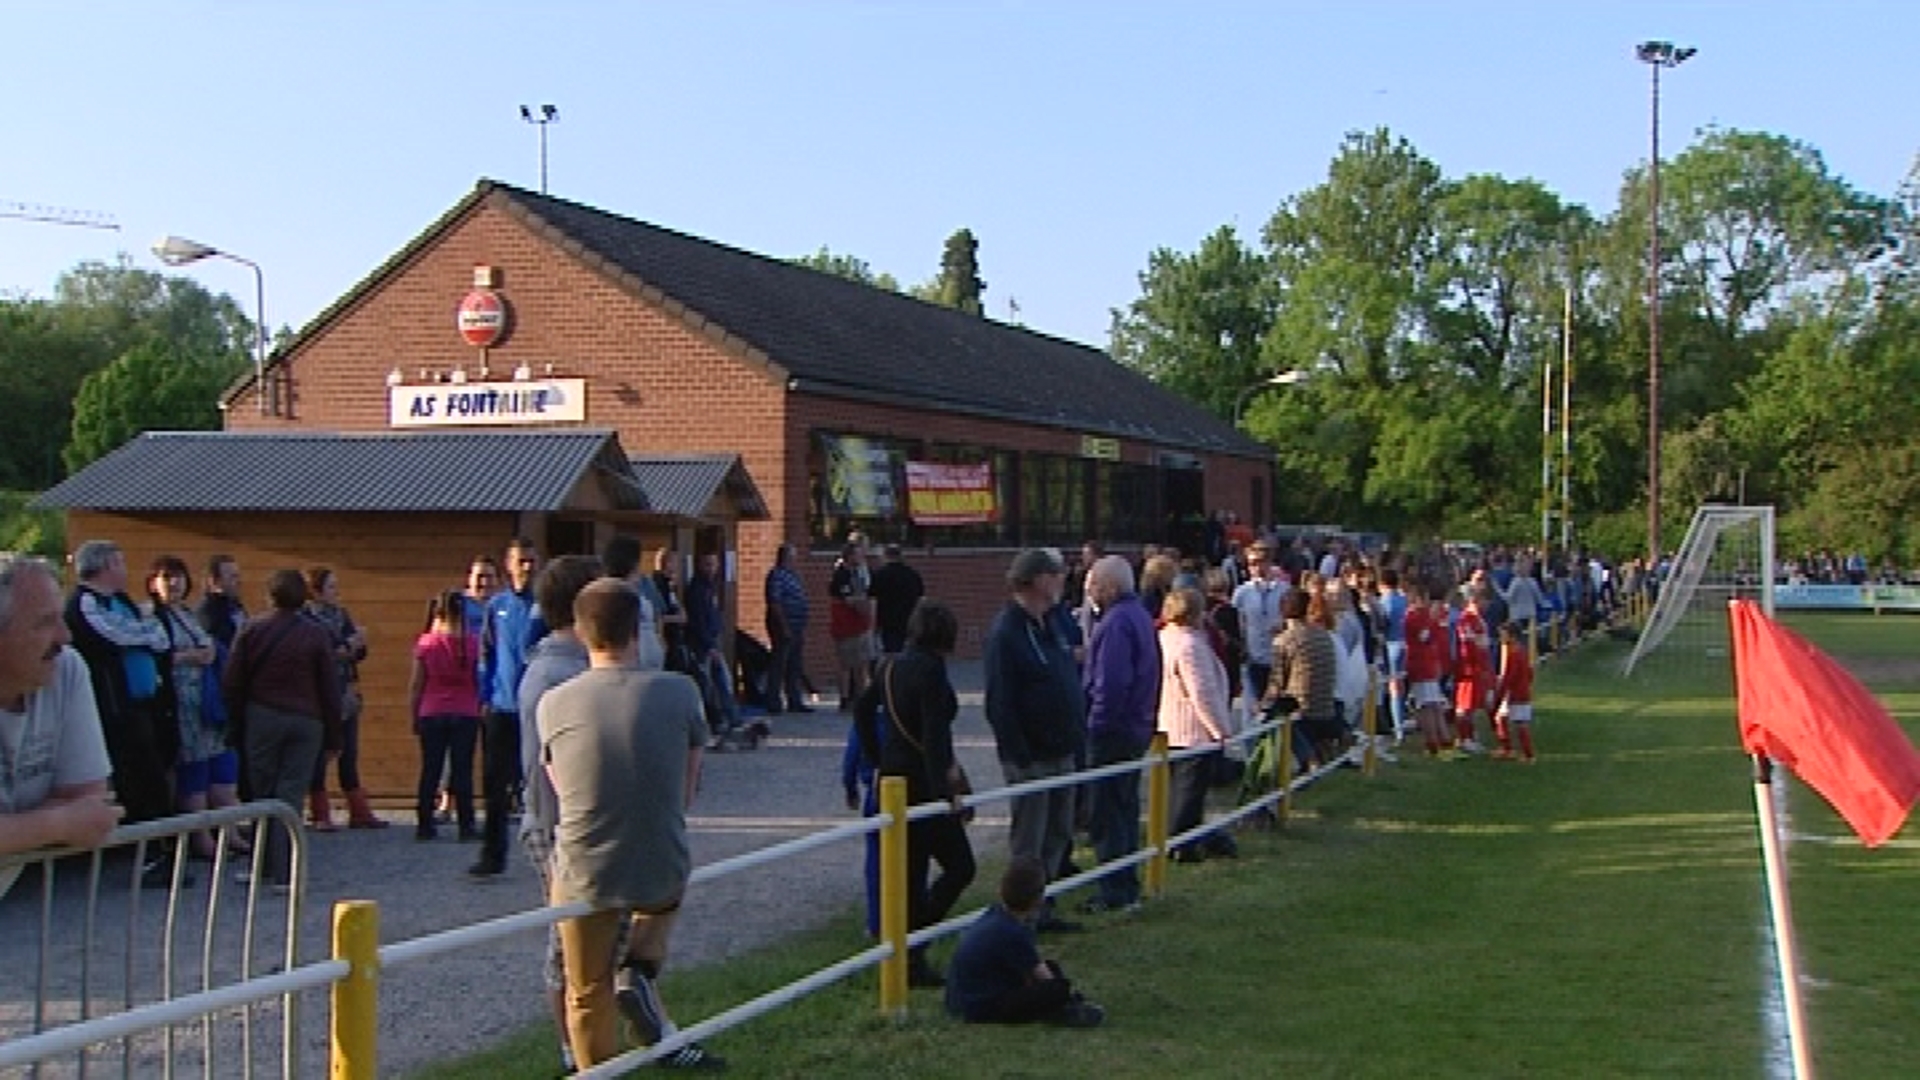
<point>179,251</point>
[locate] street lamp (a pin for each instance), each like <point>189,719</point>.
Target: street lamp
<point>540,118</point>
<point>1656,55</point>
<point>179,251</point>
<point>1293,377</point>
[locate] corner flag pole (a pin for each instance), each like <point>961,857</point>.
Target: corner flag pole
<point>1773,857</point>
<point>1781,906</point>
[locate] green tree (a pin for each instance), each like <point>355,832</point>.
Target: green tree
<point>959,285</point>
<point>1348,256</point>
<point>154,386</point>
<point>48,348</point>
<point>43,359</point>
<point>1198,325</point>
<point>122,306</point>
<point>850,267</point>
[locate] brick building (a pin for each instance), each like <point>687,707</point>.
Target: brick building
<point>815,404</point>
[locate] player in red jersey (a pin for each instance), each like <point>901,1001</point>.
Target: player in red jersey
<point>1426,659</point>
<point>1472,671</point>
<point>1513,697</point>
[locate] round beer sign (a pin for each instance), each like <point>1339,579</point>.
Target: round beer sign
<point>482,317</point>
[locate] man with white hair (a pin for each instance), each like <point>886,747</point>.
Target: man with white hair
<point>1123,705</point>
<point>124,650</point>
<point>53,758</point>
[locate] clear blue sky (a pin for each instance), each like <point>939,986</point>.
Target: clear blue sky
<point>1072,136</point>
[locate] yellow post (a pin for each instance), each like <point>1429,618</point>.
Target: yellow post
<point>1370,721</point>
<point>1283,765</point>
<point>893,895</point>
<point>1157,814</point>
<point>356,999</point>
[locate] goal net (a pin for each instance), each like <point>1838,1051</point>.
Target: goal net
<point>1727,555</point>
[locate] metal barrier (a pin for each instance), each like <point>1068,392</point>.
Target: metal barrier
<point>71,986</point>
<point>353,973</point>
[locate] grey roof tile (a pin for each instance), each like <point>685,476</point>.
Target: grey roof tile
<point>475,471</point>
<point>841,337</point>
<point>684,485</point>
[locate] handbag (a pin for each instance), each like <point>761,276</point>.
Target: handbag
<point>958,784</point>
<point>213,697</point>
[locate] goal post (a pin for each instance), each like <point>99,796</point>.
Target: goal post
<point>1727,554</point>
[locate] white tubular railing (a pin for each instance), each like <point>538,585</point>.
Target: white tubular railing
<point>353,972</point>
<point>166,838</point>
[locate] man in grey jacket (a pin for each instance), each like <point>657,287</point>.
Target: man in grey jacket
<point>558,657</point>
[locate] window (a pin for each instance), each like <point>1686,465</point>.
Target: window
<point>1053,500</point>
<point>857,482</point>
<point>1127,502</point>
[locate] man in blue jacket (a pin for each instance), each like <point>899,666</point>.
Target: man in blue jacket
<point>1123,704</point>
<point>503,659</point>
<point>1036,707</point>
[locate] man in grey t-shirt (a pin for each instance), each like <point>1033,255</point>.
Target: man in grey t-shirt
<point>53,758</point>
<point>622,747</point>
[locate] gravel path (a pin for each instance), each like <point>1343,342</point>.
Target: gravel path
<point>457,1004</point>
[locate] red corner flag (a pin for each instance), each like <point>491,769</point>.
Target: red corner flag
<point>1802,709</point>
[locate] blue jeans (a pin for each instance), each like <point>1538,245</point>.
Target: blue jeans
<point>720,678</point>
<point>1397,684</point>
<point>1116,817</point>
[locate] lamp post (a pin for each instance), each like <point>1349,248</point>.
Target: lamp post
<point>1656,55</point>
<point>179,251</point>
<point>540,118</point>
<point>1293,377</point>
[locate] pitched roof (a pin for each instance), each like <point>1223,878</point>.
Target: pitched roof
<point>838,337</point>
<point>456,471</point>
<point>684,485</point>
<point>844,338</point>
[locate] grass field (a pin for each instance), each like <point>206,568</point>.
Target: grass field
<point>1599,914</point>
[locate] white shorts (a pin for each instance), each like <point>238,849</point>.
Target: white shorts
<point>1427,692</point>
<point>1519,714</point>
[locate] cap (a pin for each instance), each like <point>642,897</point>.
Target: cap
<point>1032,563</point>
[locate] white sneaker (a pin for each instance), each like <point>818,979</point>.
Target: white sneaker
<point>1472,746</point>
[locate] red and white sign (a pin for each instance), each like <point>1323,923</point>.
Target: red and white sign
<point>482,317</point>
<point>944,494</point>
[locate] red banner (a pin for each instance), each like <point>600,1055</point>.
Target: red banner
<point>943,494</point>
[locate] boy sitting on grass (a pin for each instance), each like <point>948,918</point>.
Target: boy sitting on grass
<point>997,976</point>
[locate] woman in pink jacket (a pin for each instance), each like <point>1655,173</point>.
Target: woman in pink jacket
<point>1193,712</point>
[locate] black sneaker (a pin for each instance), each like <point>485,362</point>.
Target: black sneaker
<point>639,1002</point>
<point>486,870</point>
<point>1082,1014</point>
<point>692,1056</point>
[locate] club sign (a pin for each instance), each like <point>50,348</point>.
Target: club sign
<point>481,318</point>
